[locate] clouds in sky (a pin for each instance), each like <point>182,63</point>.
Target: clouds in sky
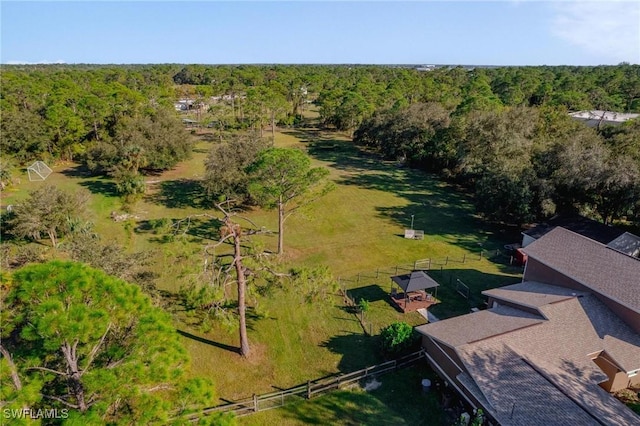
<point>42,62</point>
<point>609,29</point>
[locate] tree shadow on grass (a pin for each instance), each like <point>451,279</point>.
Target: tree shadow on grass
<point>340,153</point>
<point>97,184</point>
<point>357,350</point>
<point>180,193</point>
<point>438,208</point>
<point>252,318</point>
<point>224,346</point>
<point>343,155</point>
<point>77,171</point>
<point>372,293</point>
<point>101,185</point>
<point>197,228</point>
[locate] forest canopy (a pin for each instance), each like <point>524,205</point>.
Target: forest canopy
<point>504,132</point>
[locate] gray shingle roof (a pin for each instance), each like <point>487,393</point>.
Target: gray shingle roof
<point>531,294</point>
<point>529,392</point>
<point>519,395</point>
<point>592,264</point>
<point>535,371</point>
<point>417,280</point>
<point>480,325</point>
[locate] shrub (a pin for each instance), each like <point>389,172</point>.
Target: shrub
<point>363,306</point>
<point>397,338</point>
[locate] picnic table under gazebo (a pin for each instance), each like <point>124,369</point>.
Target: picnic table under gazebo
<point>415,294</point>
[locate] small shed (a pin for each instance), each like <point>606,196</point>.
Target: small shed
<point>415,282</point>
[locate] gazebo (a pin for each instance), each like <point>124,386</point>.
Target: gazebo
<point>413,286</point>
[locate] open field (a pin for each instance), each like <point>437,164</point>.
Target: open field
<point>356,229</point>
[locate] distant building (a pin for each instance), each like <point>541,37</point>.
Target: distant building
<point>190,104</point>
<point>227,98</point>
<point>183,105</point>
<point>597,118</point>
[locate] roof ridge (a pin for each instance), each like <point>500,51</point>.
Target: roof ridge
<point>546,376</point>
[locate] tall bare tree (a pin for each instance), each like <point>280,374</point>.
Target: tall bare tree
<point>237,236</point>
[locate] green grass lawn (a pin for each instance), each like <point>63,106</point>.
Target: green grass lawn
<point>356,229</point>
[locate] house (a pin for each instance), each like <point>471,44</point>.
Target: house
<point>596,118</point>
<point>190,104</point>
<point>183,105</point>
<point>549,350</point>
<point>579,224</point>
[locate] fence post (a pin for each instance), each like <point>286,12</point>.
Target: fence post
<point>429,263</point>
<point>396,269</point>
<point>370,330</point>
<point>446,261</point>
<point>308,389</point>
<point>255,403</point>
<point>415,264</point>
<point>464,257</point>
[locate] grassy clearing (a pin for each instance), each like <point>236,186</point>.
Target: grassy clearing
<point>358,228</point>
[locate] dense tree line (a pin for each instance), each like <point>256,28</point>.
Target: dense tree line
<point>99,116</point>
<point>63,110</point>
<point>523,163</point>
<point>502,131</point>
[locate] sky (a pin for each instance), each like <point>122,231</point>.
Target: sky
<point>509,32</point>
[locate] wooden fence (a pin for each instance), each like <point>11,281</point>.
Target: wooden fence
<point>430,264</point>
<point>312,389</point>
